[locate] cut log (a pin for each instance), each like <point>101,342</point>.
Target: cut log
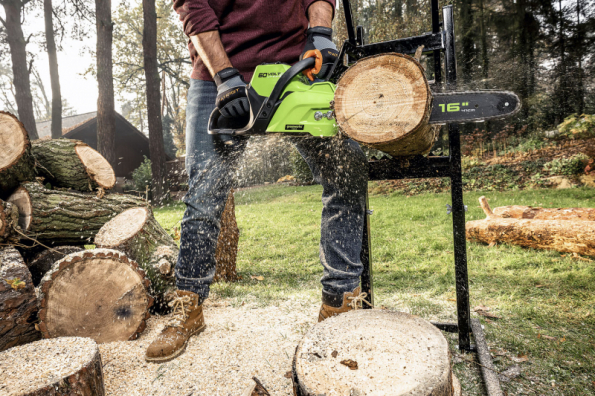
<point>384,102</point>
<point>373,352</point>
<point>136,233</point>
<point>73,164</point>
<point>9,222</point>
<point>18,302</point>
<point>16,161</point>
<point>529,212</point>
<point>65,366</point>
<point>561,235</point>
<point>66,218</point>
<point>97,293</point>
<point>43,261</point>
<point>227,244</point>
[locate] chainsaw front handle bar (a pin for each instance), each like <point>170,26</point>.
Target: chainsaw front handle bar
<point>262,109</point>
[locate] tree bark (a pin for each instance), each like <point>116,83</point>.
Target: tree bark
<point>73,164</point>
<point>58,367</point>
<point>43,261</point>
<point>97,293</point>
<point>156,149</point>
<point>9,221</point>
<point>136,233</point>
<point>106,118</point>
<point>16,162</point>
<point>66,218</point>
<point>529,212</point>
<point>227,244</point>
<point>18,302</point>
<point>54,76</point>
<point>371,111</point>
<point>562,235</point>
<point>20,68</point>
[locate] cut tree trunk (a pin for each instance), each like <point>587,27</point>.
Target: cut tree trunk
<point>97,293</point>
<point>18,302</point>
<point>16,162</point>
<point>48,16</point>
<point>73,164</point>
<point>227,244</point>
<point>66,218</point>
<point>529,212</point>
<point>44,260</point>
<point>9,222</point>
<point>383,353</point>
<point>561,235</point>
<point>136,233</point>
<point>384,102</point>
<point>65,366</point>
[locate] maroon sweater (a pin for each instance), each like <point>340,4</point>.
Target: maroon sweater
<point>252,31</point>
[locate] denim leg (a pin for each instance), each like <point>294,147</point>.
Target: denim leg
<point>341,167</point>
<point>210,163</point>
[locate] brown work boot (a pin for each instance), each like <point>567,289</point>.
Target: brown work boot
<point>335,304</point>
<point>187,320</point>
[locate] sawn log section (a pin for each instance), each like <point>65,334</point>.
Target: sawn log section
<point>16,161</point>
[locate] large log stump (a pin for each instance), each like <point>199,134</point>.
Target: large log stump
<point>73,164</point>
<point>227,244</point>
<point>16,161</point>
<point>98,293</point>
<point>137,233</point>
<point>373,352</point>
<point>530,212</point>
<point>65,366</point>
<point>43,261</point>
<point>384,102</point>
<point>561,235</point>
<point>9,222</point>
<point>64,217</point>
<point>18,302</point>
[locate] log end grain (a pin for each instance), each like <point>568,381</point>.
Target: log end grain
<point>98,168</point>
<point>16,161</point>
<point>122,228</point>
<point>22,200</point>
<point>9,223</point>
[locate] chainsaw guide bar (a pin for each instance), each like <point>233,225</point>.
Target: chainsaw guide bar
<point>473,106</point>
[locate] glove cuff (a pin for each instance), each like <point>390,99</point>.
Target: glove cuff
<point>225,75</point>
<point>320,30</point>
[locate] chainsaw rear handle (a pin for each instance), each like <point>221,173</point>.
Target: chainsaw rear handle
<point>262,109</point>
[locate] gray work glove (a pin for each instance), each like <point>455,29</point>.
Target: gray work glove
<point>320,38</point>
<point>232,101</point>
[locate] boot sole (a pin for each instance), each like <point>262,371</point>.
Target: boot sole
<point>177,353</point>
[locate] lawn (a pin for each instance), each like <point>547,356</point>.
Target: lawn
<point>544,301</point>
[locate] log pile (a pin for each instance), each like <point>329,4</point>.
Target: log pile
<point>568,230</point>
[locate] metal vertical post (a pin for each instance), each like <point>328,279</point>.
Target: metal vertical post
<point>456,188</point>
<point>349,22</point>
<point>365,256</point>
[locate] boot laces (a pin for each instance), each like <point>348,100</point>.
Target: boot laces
<point>180,307</point>
<point>357,301</point>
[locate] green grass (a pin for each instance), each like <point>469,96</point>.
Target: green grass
<point>535,293</point>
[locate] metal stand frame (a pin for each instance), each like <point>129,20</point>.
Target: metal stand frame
<point>440,40</point>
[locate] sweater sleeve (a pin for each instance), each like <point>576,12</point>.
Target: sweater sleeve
<point>308,3</point>
<point>197,16</point>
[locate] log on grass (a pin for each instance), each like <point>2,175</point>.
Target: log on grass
<point>65,366</point>
<point>100,294</point>
<point>43,261</point>
<point>16,162</point>
<point>227,244</point>
<point>384,102</point>
<point>18,302</point>
<point>136,233</point>
<point>561,235</point>
<point>9,223</point>
<point>73,164</point>
<point>373,352</point>
<point>59,217</point>
<point>530,212</point>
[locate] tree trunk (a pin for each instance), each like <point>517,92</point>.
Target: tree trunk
<point>20,68</point>
<point>136,233</point>
<point>383,353</point>
<point>158,170</point>
<point>529,212</point>
<point>58,367</point>
<point>371,111</point>
<point>562,235</point>
<point>9,221</point>
<point>64,217</point>
<point>97,293</point>
<point>106,118</point>
<point>44,261</point>
<point>16,162</point>
<point>18,302</point>
<point>54,77</point>
<point>227,244</point>
<point>73,164</point>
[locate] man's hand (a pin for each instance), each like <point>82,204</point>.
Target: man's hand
<point>232,101</point>
<point>320,16</point>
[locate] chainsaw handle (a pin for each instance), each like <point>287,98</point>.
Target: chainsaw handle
<point>287,77</point>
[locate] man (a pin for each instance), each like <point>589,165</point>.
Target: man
<point>228,39</point>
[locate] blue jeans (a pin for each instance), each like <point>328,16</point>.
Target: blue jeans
<point>339,165</point>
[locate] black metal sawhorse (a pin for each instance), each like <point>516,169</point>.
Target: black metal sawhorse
<point>440,40</point>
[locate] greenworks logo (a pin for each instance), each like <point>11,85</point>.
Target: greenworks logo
<point>269,75</point>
